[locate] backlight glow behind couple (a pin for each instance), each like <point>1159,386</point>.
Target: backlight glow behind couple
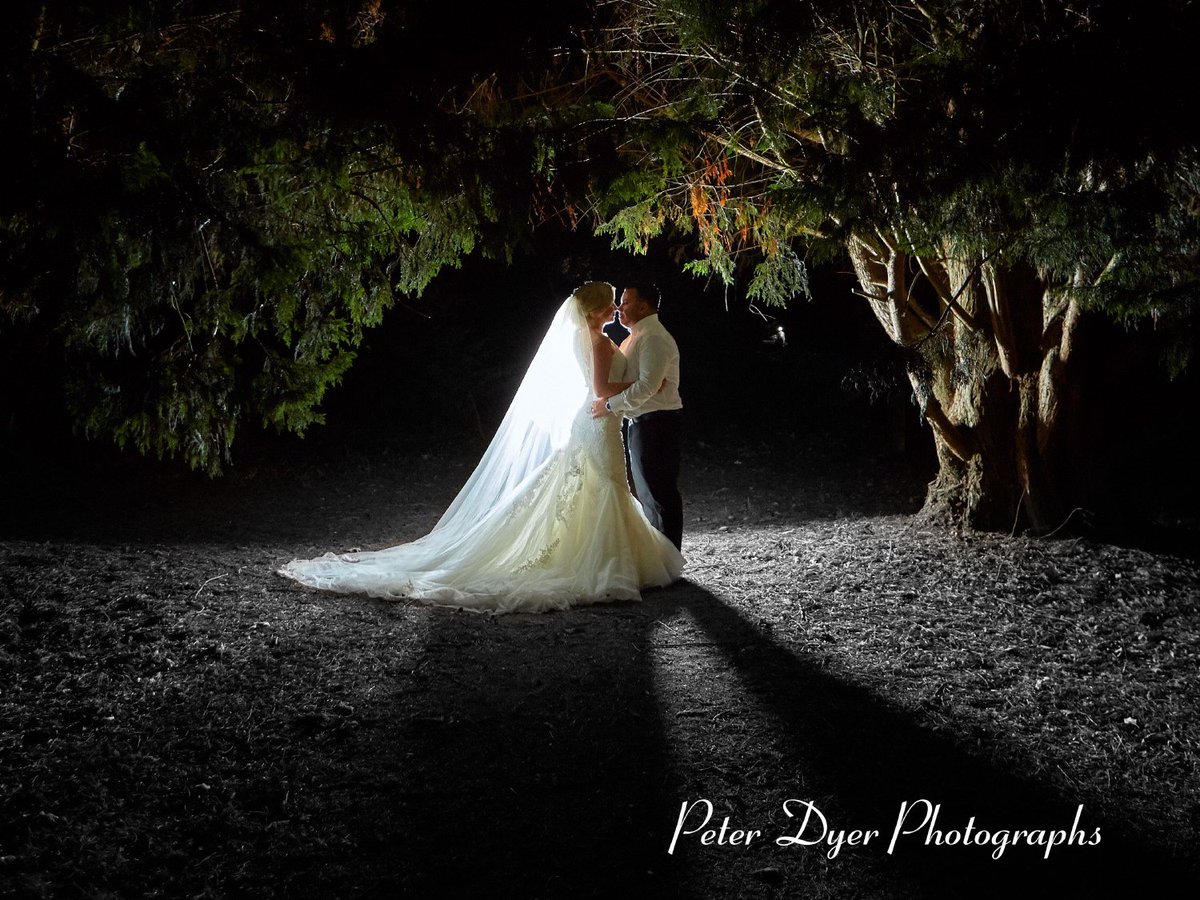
<point>547,519</point>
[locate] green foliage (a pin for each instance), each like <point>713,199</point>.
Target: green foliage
<point>778,278</point>
<point>716,261</point>
<point>633,226</point>
<point>201,232</point>
<point>207,207</point>
<point>987,128</point>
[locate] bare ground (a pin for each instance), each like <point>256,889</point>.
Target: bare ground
<point>177,721</point>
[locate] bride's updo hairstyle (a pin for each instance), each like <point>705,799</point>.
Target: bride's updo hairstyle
<point>593,296</point>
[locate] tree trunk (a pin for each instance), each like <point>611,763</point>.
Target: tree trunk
<point>995,371</point>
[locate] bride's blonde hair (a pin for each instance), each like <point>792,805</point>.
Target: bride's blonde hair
<point>594,295</point>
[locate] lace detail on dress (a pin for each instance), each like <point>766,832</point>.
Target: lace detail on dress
<point>568,495</point>
<point>540,560</point>
<point>570,470</point>
<point>526,500</point>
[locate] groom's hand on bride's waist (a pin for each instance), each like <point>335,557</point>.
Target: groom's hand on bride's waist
<point>600,408</point>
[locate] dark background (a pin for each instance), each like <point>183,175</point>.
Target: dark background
<point>437,376</point>
<point>446,365</point>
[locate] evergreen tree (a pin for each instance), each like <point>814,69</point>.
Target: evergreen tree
<point>206,205</point>
<point>1001,174</point>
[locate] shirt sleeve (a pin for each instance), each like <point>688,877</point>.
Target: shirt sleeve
<point>653,358</point>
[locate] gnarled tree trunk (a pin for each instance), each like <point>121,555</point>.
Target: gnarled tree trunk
<point>995,372</point>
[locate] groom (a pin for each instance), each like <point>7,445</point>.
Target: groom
<point>653,408</point>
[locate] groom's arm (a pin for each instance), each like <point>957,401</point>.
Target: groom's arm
<point>653,358</point>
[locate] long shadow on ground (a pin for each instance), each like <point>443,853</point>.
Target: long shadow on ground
<point>529,755</point>
<point>550,774</point>
<point>541,774</point>
<point>848,743</point>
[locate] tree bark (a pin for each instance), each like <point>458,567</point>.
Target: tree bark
<point>996,376</point>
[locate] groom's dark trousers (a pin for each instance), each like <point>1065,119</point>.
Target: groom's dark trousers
<point>655,446</point>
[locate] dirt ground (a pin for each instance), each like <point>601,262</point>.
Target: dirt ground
<point>175,720</point>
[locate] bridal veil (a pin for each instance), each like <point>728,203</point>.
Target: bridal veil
<point>545,520</point>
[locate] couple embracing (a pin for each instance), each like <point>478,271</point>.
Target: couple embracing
<point>547,520</point>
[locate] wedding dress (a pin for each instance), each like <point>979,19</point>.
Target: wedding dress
<point>546,520</point>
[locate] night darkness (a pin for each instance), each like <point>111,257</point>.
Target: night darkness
<point>961,711</point>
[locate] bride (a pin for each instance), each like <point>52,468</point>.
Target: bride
<point>546,520</point>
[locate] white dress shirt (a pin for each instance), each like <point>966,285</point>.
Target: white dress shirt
<point>653,364</point>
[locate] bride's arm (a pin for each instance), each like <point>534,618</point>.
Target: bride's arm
<point>602,355</point>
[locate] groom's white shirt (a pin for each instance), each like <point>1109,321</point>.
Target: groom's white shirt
<point>653,361</point>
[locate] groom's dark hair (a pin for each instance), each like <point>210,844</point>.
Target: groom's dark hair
<point>647,291</point>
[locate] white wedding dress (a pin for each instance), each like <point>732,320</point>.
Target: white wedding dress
<point>546,520</point>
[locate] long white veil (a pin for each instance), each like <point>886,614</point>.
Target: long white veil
<point>545,521</point>
<point>557,384</point>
